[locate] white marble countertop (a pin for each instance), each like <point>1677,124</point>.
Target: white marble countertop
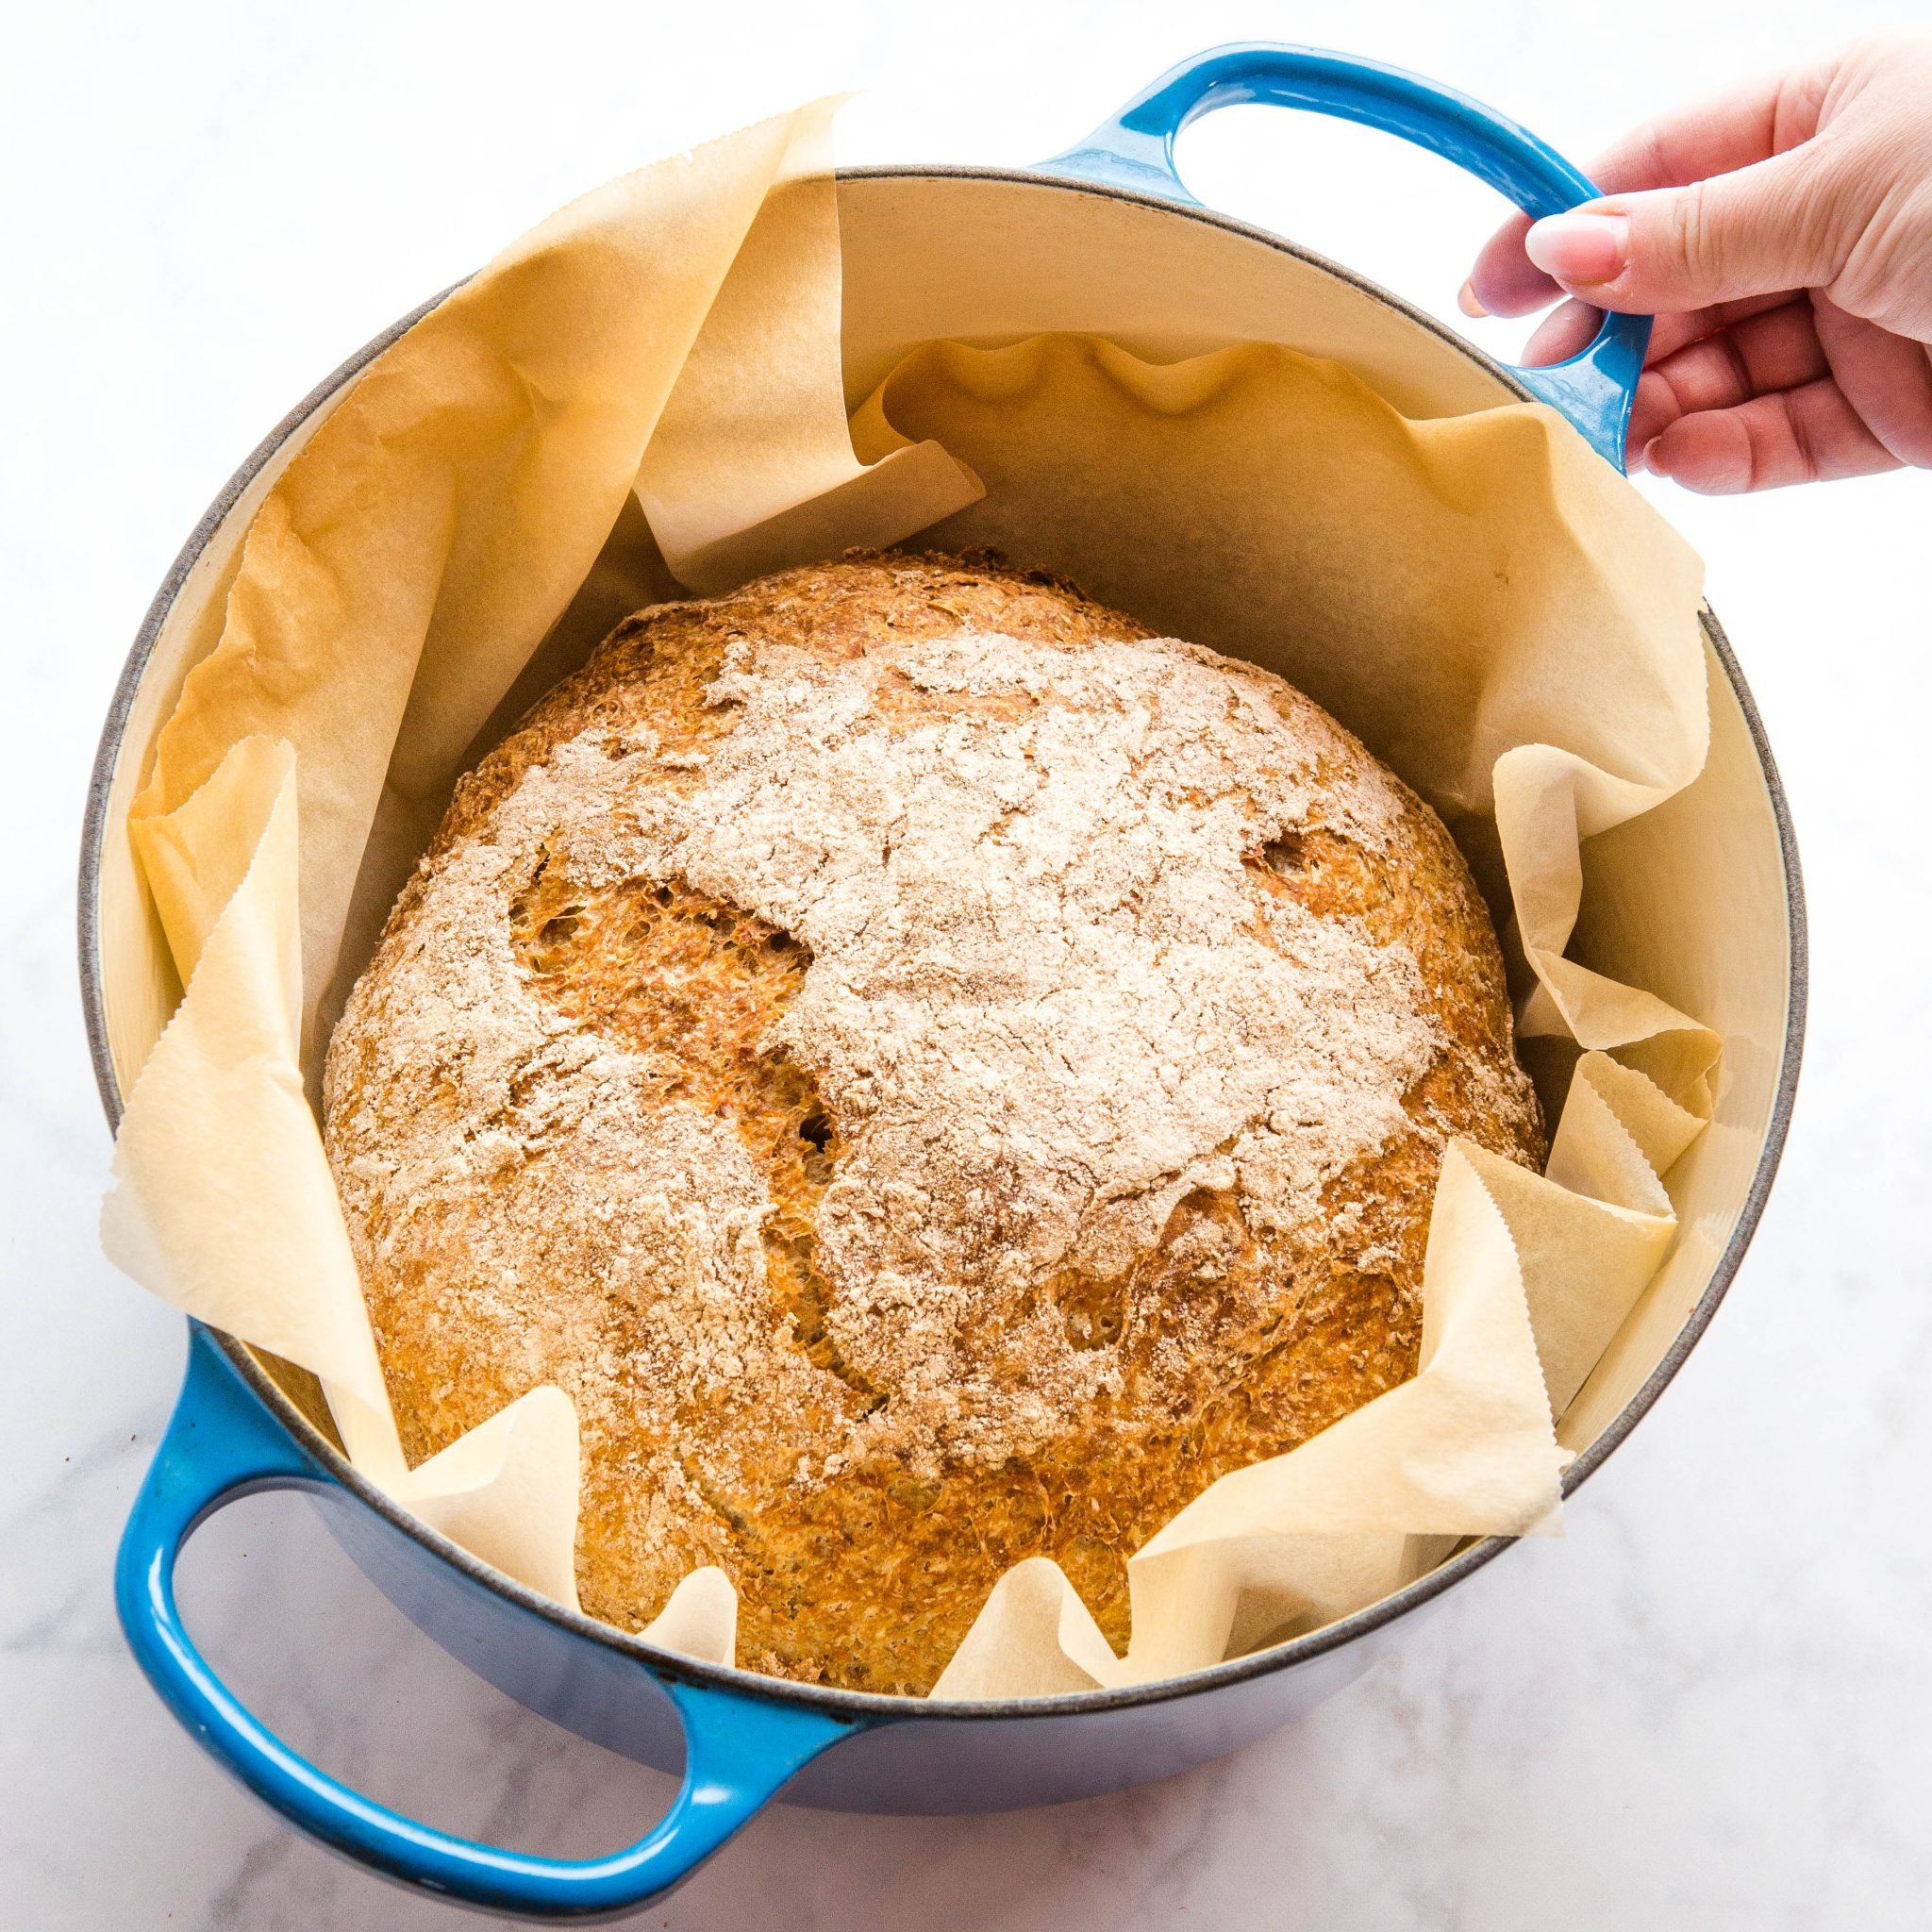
<point>1706,1707</point>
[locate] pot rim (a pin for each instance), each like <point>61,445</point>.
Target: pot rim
<point>873,1707</point>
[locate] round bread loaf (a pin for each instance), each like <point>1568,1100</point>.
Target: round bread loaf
<point>938,1075</point>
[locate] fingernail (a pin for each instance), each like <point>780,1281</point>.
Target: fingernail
<point>1580,248</point>
<point>1467,301</point>
<point>1649,450</point>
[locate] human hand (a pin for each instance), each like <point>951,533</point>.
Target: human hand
<point>1782,236</point>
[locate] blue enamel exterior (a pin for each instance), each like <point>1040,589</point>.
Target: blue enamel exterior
<point>221,1443</point>
<point>741,1746</point>
<point>1134,151</point>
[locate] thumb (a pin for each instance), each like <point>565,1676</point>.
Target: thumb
<point>1755,232</point>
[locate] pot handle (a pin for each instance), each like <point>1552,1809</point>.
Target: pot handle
<point>1135,150</point>
<point>221,1444</point>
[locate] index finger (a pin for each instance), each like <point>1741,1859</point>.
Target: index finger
<point>1717,136</point>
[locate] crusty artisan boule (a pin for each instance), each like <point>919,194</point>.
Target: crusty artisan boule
<point>938,1077</point>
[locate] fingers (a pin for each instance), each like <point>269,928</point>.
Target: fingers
<point>1886,378</point>
<point>1692,363</point>
<point>1803,434</point>
<point>1738,129</point>
<point>1564,332</point>
<point>1765,228</point>
<point>1504,281</point>
<point>1568,330</point>
<point>1670,333</point>
<point>1839,396</point>
<point>1761,355</point>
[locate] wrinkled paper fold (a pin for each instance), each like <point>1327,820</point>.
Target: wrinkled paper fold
<point>1479,597</point>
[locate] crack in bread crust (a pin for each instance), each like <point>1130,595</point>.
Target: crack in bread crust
<point>936,1074</point>
<point>650,964</point>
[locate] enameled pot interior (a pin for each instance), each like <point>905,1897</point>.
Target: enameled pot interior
<point>1698,901</point>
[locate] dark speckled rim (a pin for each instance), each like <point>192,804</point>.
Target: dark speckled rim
<point>861,1705</point>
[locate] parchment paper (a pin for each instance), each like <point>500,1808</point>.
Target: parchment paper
<point>744,477</point>
<point>1495,613</point>
<point>392,585</point>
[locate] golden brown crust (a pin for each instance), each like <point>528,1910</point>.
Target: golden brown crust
<point>861,1516</point>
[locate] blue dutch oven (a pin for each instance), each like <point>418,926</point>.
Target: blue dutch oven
<point>1102,237</point>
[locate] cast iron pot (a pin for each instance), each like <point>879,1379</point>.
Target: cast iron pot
<point>1104,237</point>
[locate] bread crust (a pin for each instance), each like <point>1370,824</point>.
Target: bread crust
<point>597,1121</point>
